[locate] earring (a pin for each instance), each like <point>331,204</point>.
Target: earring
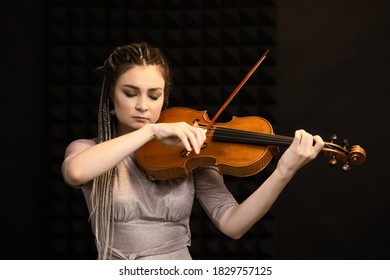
<point>112,112</point>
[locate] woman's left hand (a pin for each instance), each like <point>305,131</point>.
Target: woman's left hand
<point>304,148</point>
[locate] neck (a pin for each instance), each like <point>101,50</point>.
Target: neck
<point>224,134</point>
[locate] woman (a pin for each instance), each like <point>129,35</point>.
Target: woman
<point>133,217</point>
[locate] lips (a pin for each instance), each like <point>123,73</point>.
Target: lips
<point>141,119</point>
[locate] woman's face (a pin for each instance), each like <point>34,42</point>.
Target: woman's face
<point>138,97</point>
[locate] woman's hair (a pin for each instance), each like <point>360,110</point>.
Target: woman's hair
<point>120,60</point>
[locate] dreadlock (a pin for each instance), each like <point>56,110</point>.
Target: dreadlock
<point>121,59</point>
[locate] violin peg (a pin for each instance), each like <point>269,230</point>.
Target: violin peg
<point>332,161</point>
<point>346,167</point>
<point>332,137</point>
<point>346,143</point>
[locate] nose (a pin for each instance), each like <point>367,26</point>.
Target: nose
<point>142,104</point>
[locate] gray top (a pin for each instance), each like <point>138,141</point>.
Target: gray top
<point>151,219</point>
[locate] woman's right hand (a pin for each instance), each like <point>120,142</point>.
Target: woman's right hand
<point>180,134</point>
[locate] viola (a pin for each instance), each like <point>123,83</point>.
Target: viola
<point>241,147</point>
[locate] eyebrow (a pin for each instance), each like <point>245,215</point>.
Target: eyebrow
<point>137,88</point>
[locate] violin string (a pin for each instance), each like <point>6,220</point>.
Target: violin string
<point>235,135</point>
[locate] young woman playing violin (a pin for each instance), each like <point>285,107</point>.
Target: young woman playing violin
<point>133,217</point>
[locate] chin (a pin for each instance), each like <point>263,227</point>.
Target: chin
<point>136,126</point>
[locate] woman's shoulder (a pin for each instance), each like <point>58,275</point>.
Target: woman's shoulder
<point>80,144</point>
<point>84,142</point>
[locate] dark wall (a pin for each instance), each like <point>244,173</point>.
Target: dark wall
<point>332,62</point>
<point>334,78</point>
<point>24,156</point>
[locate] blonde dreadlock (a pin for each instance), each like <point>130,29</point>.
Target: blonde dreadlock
<point>120,60</point>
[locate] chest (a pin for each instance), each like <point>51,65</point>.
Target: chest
<point>137,198</point>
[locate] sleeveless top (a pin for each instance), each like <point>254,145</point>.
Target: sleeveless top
<point>151,219</point>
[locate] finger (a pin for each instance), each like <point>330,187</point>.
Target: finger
<point>182,135</point>
<point>319,143</point>
<point>201,136</point>
<point>196,139</point>
<point>188,136</point>
<point>297,137</point>
<point>184,140</point>
<point>307,140</point>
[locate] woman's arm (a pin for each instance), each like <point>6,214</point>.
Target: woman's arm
<point>237,220</point>
<point>94,161</point>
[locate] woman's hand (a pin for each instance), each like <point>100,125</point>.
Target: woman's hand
<point>302,150</point>
<point>180,134</point>
<point>239,219</point>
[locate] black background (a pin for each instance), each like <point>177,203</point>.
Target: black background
<point>332,77</point>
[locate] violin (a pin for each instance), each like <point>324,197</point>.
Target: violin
<point>241,147</point>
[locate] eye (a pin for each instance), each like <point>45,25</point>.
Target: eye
<point>130,94</point>
<point>154,97</point>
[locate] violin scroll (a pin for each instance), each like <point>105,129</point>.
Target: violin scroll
<point>349,155</point>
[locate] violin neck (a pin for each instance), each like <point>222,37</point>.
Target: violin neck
<point>225,134</point>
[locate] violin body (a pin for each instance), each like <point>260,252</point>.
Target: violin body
<point>163,162</point>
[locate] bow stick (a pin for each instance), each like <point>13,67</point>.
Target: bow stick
<point>237,89</point>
